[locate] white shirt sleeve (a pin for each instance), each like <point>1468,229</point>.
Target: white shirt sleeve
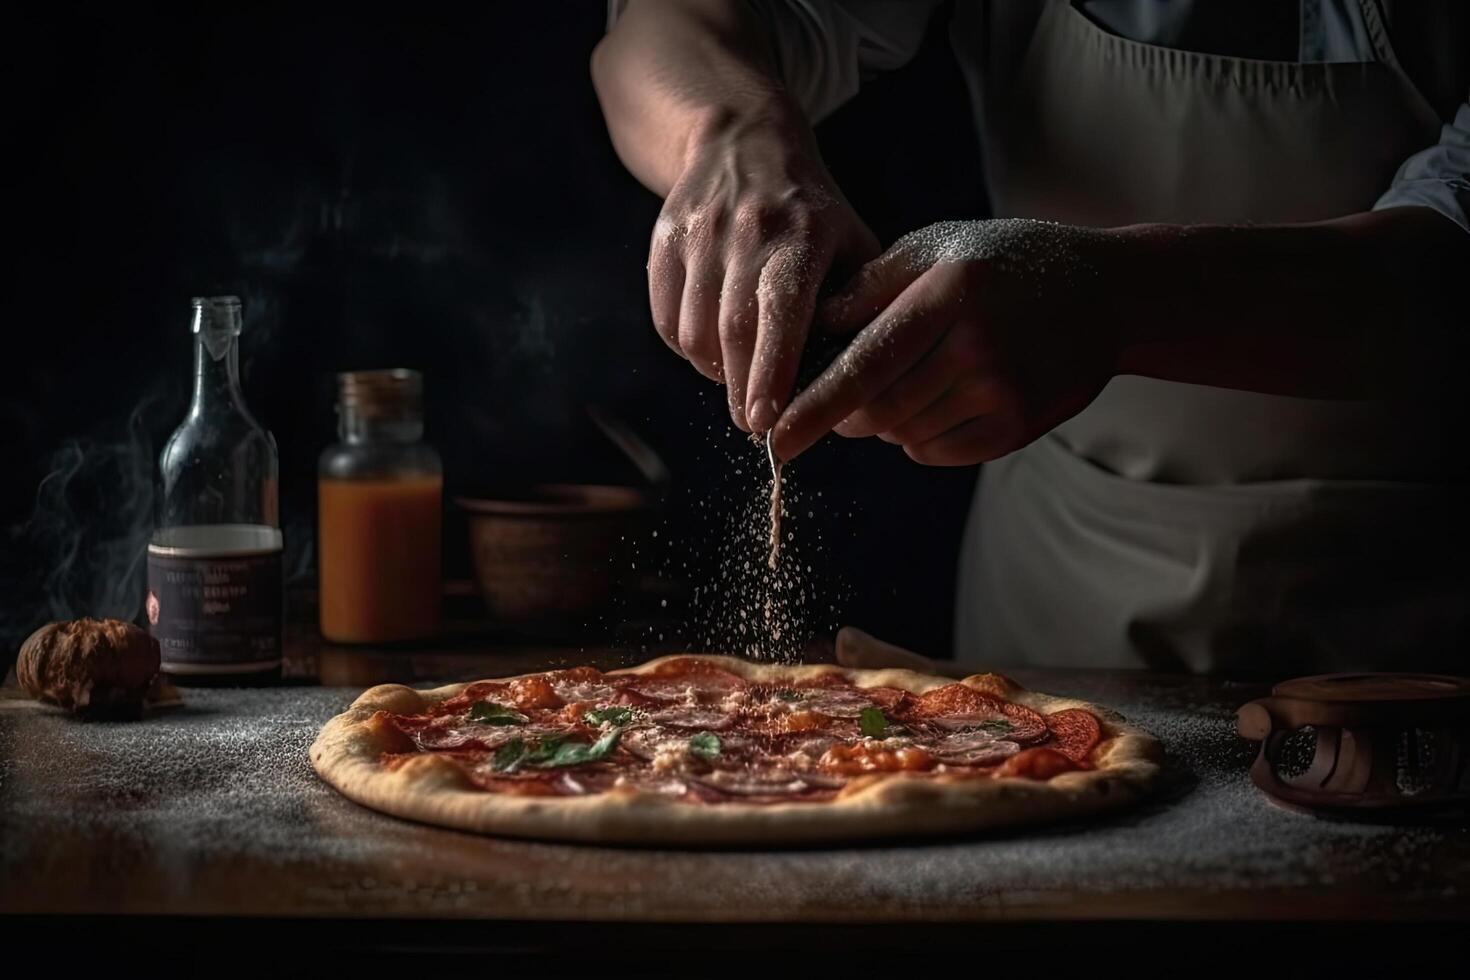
<point>825,48</point>
<point>1437,177</point>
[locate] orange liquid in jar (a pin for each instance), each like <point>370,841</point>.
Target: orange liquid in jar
<point>378,558</point>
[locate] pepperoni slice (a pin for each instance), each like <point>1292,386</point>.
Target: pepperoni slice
<point>888,699</point>
<point>811,746</point>
<point>480,691</point>
<point>523,694</point>
<point>822,780</point>
<point>634,699</point>
<point>434,731</point>
<point>640,742</point>
<point>735,746</point>
<point>652,690</point>
<point>412,723</point>
<point>704,687</point>
<point>957,707</point>
<point>446,734</point>
<point>646,743</point>
<point>574,675</point>
<point>532,692</point>
<point>476,767</point>
<point>953,700</point>
<point>1027,725</point>
<point>1074,733</point>
<point>582,684</point>
<point>694,717</point>
<point>1039,763</point>
<point>645,781</point>
<point>972,749</point>
<point>837,702</point>
<point>705,678</point>
<point>773,781</point>
<point>837,691</point>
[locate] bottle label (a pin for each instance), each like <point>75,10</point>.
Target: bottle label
<point>219,613</point>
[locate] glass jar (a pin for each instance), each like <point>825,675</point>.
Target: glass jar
<point>380,501</point>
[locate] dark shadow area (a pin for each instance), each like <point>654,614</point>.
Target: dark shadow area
<point>405,188</point>
<point>1101,948</point>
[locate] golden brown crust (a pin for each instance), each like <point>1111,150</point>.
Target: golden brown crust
<point>348,751</point>
<point>95,667</point>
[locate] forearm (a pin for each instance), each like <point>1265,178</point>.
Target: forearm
<point>676,71</point>
<point>1353,307</point>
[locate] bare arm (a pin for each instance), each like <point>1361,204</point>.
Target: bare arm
<point>669,74</point>
<point>1359,306</point>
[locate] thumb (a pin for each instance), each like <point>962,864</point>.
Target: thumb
<point>869,292</point>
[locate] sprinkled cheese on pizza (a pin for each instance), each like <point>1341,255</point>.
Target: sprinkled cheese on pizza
<point>703,735</point>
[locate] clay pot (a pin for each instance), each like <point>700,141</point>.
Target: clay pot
<point>554,550</point>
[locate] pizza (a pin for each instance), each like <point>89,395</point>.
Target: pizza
<point>713,750</point>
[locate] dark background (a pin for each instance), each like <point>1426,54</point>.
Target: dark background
<point>428,187</point>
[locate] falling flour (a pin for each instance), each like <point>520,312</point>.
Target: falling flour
<point>762,590</point>
<point>774,559</point>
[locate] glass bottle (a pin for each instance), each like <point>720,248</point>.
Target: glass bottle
<point>215,593</point>
<point>380,500</point>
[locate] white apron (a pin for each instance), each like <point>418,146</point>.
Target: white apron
<point>1184,527</point>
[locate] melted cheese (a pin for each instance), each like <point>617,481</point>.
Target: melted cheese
<point>668,757</point>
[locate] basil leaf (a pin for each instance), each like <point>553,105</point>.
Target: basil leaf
<point>553,751</point>
<point>615,714</point>
<point>705,745</point>
<point>544,749</point>
<point>491,713</point>
<point>508,757</point>
<point>872,722</point>
<point>576,753</point>
<point>788,694</point>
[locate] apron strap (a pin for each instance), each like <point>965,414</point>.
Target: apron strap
<point>1376,22</point>
<point>1375,19</point>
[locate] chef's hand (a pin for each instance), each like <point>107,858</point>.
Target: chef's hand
<point>974,338</point>
<point>747,235</point>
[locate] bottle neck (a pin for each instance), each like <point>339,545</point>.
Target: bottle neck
<point>216,379</point>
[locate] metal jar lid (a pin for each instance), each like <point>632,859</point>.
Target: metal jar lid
<point>393,393</point>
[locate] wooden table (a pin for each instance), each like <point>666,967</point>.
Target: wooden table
<point>206,821</point>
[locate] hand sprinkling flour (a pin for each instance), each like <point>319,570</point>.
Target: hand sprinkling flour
<point>751,230</point>
<point>972,339</point>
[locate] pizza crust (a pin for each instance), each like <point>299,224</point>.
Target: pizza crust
<point>430,789</point>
